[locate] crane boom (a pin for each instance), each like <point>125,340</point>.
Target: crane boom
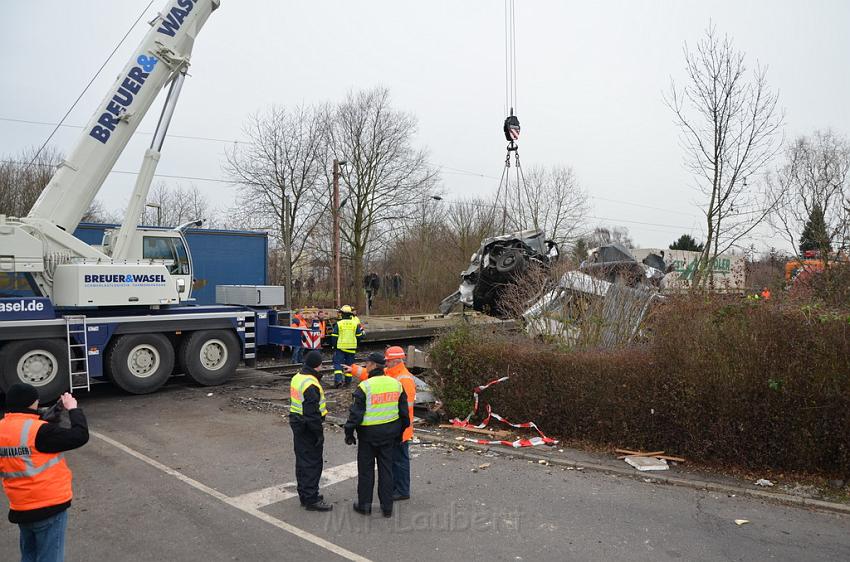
<point>163,53</point>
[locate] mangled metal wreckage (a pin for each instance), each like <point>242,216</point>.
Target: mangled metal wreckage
<point>497,264</point>
<point>611,285</point>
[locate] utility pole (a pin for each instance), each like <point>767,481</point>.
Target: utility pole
<point>287,218</point>
<point>336,256</point>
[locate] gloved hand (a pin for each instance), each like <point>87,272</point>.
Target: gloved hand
<point>350,440</point>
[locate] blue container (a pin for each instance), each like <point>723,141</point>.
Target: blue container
<point>219,257</point>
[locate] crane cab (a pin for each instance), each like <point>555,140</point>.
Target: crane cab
<point>160,245</point>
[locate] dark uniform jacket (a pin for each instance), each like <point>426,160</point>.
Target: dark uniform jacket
<point>312,418</point>
<point>376,434</point>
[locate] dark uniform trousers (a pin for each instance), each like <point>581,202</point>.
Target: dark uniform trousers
<point>308,463</point>
<point>367,454</point>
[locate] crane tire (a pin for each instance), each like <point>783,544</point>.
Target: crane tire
<point>210,357</point>
<point>140,363</point>
<point>41,363</point>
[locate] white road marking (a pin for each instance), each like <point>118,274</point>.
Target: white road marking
<point>283,525</point>
<point>274,494</point>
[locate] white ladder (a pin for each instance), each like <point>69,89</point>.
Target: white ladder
<point>78,367</point>
<point>250,346</point>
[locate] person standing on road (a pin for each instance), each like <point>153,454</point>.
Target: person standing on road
<point>307,411</point>
<point>396,369</point>
<point>347,333</point>
<point>379,415</point>
<point>35,476</point>
<point>298,321</point>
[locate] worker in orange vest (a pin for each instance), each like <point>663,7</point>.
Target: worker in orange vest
<point>396,369</point>
<point>298,321</point>
<point>35,477</point>
<point>765,293</point>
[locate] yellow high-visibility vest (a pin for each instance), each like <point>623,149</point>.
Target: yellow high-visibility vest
<point>297,387</point>
<point>382,393</point>
<point>347,333</point>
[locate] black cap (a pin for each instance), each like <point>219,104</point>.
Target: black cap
<point>20,396</point>
<point>377,358</point>
<point>313,359</point>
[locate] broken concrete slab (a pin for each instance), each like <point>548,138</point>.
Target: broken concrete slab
<point>647,463</point>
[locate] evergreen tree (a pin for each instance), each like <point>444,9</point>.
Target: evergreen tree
<point>687,242</point>
<point>580,249</point>
<point>814,235</point>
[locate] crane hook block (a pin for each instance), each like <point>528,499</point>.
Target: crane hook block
<point>511,128</point>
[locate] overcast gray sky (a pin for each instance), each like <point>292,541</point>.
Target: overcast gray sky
<point>590,82</point>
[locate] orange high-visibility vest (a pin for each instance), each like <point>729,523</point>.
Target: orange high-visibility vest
<point>31,479</point>
<point>401,374</point>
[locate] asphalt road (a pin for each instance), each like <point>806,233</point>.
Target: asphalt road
<point>179,475</point>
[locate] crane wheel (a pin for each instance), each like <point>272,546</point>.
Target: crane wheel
<point>41,363</point>
<point>140,363</point>
<point>210,357</point>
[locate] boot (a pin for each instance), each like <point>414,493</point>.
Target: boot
<point>362,510</point>
<point>319,506</point>
<point>321,498</point>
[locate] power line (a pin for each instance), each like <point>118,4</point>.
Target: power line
<point>170,136</point>
<point>128,172</point>
<point>445,169</point>
<point>86,89</point>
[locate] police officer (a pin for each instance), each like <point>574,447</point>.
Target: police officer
<point>396,369</point>
<point>379,415</point>
<point>307,411</point>
<point>346,334</point>
<point>35,477</point>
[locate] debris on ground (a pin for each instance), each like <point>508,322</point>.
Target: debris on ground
<point>657,454</point>
<point>764,483</point>
<point>647,463</point>
<point>500,434</point>
<point>484,466</point>
<point>740,522</point>
<point>465,423</point>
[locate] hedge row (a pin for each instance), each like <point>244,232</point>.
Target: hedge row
<point>752,384</point>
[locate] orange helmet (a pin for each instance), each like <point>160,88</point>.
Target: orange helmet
<point>394,352</point>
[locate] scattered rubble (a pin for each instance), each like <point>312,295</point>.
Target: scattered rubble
<point>740,522</point>
<point>764,483</point>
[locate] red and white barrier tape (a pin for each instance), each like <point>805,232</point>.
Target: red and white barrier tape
<point>542,440</point>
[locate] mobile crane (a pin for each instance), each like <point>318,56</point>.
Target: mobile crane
<point>123,310</point>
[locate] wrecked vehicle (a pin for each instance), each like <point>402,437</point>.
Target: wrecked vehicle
<point>614,263</point>
<point>495,265</point>
<point>583,310</point>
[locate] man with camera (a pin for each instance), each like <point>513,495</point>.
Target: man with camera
<point>35,477</point>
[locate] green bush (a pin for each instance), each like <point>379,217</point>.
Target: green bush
<point>751,383</point>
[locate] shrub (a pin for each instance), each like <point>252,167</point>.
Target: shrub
<point>753,383</point>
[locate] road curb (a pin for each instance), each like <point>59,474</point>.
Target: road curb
<point>692,483</point>
<point>695,484</point>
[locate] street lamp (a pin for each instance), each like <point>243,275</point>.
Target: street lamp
<point>158,208</point>
<point>338,164</point>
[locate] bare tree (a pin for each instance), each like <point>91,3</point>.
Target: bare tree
<point>281,175</point>
<point>173,206</point>
<point>552,201</point>
<point>814,181</point>
<point>730,126</point>
<point>386,177</point>
<point>602,235</point>
<point>23,177</point>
